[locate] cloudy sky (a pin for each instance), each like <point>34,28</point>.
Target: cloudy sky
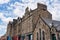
<point>11,9</point>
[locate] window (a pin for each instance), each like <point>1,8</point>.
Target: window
<point>43,35</point>
<point>19,37</point>
<point>59,36</point>
<point>53,37</point>
<point>22,37</point>
<point>30,37</point>
<point>37,35</point>
<point>40,33</point>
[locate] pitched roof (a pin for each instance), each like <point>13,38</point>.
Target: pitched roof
<point>55,23</point>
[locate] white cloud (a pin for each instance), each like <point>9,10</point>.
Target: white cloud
<point>2,26</point>
<point>2,16</point>
<point>41,1</point>
<point>4,1</point>
<point>32,6</point>
<point>25,0</point>
<point>2,29</point>
<point>55,9</point>
<point>31,0</point>
<point>19,8</point>
<point>4,19</point>
<point>18,12</point>
<point>1,35</point>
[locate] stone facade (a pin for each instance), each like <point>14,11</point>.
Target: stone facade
<point>32,25</point>
<point>40,28</point>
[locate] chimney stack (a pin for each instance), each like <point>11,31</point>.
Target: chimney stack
<point>41,6</point>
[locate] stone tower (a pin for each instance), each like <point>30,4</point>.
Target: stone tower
<point>42,10</point>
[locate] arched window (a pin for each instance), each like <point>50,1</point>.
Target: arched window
<point>43,33</point>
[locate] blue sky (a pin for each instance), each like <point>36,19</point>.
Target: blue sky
<point>11,9</point>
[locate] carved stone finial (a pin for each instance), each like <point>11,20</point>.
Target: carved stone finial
<point>52,24</point>
<point>10,22</point>
<point>30,10</point>
<point>27,9</point>
<point>18,19</point>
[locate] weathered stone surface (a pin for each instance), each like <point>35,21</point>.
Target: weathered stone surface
<point>32,23</point>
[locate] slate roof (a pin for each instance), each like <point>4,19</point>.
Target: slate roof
<point>55,23</point>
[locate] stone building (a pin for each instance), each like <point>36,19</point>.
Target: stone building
<point>36,24</point>
<point>3,37</point>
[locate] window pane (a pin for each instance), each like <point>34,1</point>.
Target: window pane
<point>43,35</point>
<point>30,36</point>
<point>37,35</point>
<point>40,33</point>
<point>22,38</point>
